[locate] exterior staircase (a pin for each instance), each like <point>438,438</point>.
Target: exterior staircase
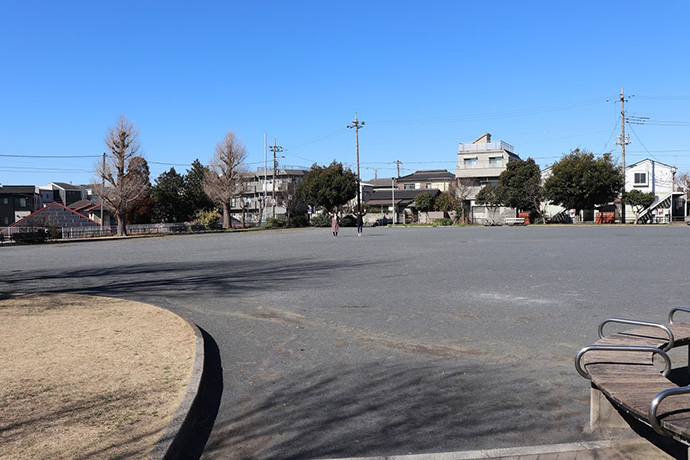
<point>562,217</point>
<point>647,216</point>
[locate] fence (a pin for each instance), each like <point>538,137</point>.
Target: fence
<point>93,232</point>
<point>134,229</point>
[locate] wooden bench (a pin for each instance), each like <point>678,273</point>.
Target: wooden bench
<point>514,221</point>
<point>622,369</point>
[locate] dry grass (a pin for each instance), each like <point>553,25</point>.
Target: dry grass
<point>88,377</point>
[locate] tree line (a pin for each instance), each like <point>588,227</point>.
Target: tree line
<point>579,180</point>
<point>203,193</point>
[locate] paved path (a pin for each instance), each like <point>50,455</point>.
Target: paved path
<point>402,341</point>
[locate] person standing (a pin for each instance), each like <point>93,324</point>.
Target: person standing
<point>360,223</point>
<point>335,223</point>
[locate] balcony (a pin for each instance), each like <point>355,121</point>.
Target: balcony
<point>486,147</point>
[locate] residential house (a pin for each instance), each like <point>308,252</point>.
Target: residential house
<point>17,202</point>
<point>439,179</point>
<point>394,205</point>
<point>480,163</point>
<point>53,217</point>
<point>62,193</point>
<point>92,211</point>
<point>259,190</point>
<point>646,176</point>
<point>651,176</point>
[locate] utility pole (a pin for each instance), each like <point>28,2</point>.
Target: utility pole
<point>398,163</point>
<point>623,140</point>
<point>393,199</point>
<point>263,208</point>
<point>275,149</point>
<point>357,124</point>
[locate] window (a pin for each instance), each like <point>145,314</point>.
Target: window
<point>5,220</point>
<point>4,200</point>
<point>20,202</point>
<point>640,179</point>
<point>408,186</point>
<point>428,185</point>
<point>495,162</point>
<point>469,162</point>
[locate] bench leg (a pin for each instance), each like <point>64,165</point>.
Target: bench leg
<point>602,414</point>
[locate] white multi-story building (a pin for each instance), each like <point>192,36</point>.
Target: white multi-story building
<point>265,192</point>
<point>651,176</point>
<point>480,163</point>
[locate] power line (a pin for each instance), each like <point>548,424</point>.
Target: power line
<point>640,141</point>
<point>50,156</point>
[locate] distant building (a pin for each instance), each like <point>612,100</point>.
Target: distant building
<point>258,193</point>
<point>17,202</point>
<point>651,176</point>
<point>62,193</point>
<point>480,163</point>
<point>439,179</point>
<point>647,176</point>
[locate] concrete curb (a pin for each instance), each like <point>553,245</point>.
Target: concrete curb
<point>565,451</point>
<point>176,435</point>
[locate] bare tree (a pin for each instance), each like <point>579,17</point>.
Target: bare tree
<point>461,187</point>
<point>682,183</point>
<point>124,177</point>
<point>223,179</point>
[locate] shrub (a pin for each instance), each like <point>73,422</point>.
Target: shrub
<point>320,220</point>
<point>299,221</point>
<point>442,222</point>
<point>348,221</point>
<point>276,223</point>
<point>207,218</point>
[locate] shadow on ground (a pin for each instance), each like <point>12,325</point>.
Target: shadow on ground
<point>386,409</point>
<point>191,445</point>
<point>230,278</point>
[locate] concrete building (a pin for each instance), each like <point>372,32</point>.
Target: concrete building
<point>480,163</point>
<point>259,190</point>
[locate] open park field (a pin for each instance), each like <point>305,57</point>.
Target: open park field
<point>404,340</point>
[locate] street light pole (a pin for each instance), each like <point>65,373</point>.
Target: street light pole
<point>357,125</point>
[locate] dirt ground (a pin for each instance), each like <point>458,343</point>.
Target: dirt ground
<point>88,377</point>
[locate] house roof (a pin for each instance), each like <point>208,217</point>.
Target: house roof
<point>66,186</point>
<point>18,189</point>
<point>650,161</point>
<point>405,197</point>
<point>55,215</point>
<point>82,205</point>
<point>380,183</point>
<point>427,175</point>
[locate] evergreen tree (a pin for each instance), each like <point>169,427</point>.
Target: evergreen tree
<point>328,186</point>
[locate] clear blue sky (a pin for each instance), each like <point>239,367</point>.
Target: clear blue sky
<point>424,76</point>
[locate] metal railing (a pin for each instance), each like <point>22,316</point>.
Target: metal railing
<point>654,406</point>
<point>626,348</point>
<point>634,322</point>
<point>673,312</point>
<point>487,147</point>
